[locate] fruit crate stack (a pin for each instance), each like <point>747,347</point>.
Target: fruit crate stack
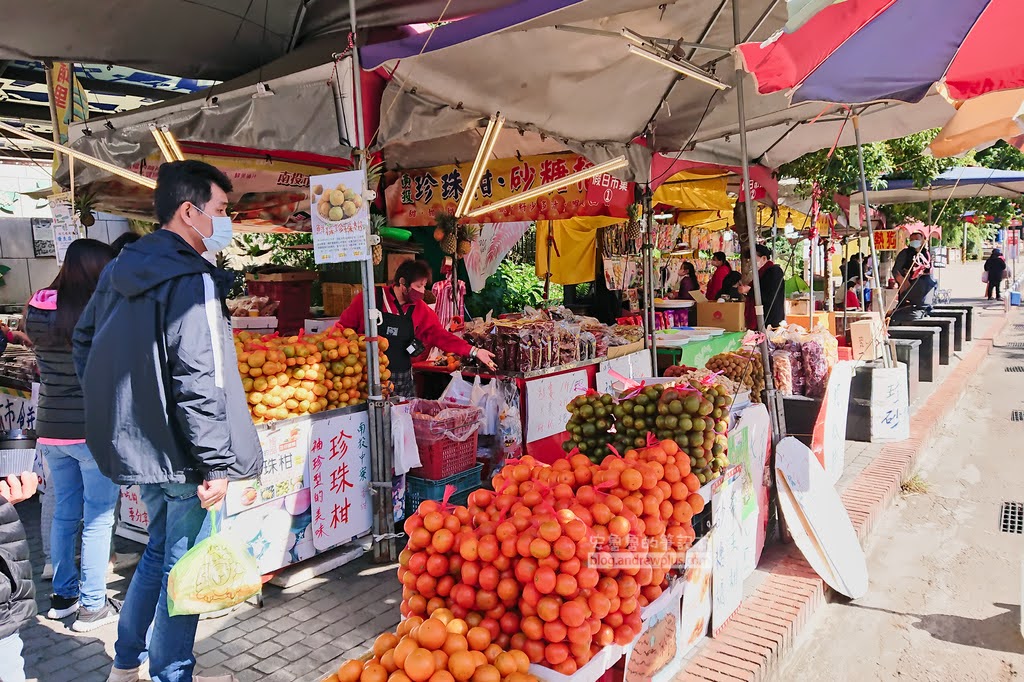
<point>446,438</point>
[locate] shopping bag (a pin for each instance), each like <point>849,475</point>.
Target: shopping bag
<point>458,392</point>
<point>984,277</point>
<point>403,437</point>
<point>216,574</point>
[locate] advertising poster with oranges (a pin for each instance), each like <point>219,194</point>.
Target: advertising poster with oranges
<point>415,197</point>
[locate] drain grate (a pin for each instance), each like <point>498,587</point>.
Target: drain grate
<point>1015,344</point>
<point>1017,416</point>
<point>1015,368</point>
<point>1011,517</point>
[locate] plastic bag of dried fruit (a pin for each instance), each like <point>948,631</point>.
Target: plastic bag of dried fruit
<point>217,573</point>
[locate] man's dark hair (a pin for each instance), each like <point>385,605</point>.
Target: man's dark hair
<point>123,241</point>
<point>719,256</point>
<point>413,271</point>
<point>181,181</point>
<point>732,279</point>
<point>764,251</point>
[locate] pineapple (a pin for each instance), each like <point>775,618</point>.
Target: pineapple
<point>633,230</point>
<point>450,242</point>
<point>84,203</point>
<point>467,235</point>
<point>377,221</point>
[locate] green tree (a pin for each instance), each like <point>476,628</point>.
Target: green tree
<point>904,158</point>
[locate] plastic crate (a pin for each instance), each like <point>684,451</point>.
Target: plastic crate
<point>419,489</point>
<point>293,290</point>
<point>446,437</point>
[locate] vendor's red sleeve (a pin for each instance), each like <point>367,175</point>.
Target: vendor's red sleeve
<point>430,332</point>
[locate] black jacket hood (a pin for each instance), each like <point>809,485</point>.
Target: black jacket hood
<point>153,260</point>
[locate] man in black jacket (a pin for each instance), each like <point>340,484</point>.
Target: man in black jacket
<point>773,291</point>
<point>17,592</point>
<point>165,406</point>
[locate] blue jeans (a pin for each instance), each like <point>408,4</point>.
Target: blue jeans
<point>82,494</point>
<point>13,665</point>
<point>177,522</point>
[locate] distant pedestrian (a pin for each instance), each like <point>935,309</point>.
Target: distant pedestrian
<point>722,268</point>
<point>165,408</point>
<point>17,591</point>
<point>995,269</point>
<point>84,498</point>
<point>123,241</point>
<point>687,281</point>
<point>773,291</point>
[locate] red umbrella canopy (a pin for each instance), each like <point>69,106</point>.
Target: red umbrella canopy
<point>861,51</point>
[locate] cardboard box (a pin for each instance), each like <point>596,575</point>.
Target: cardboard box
<point>821,318</point>
<point>867,339</point>
<point>728,316</point>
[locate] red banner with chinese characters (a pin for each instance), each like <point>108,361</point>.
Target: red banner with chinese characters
<point>415,197</point>
<point>885,240</point>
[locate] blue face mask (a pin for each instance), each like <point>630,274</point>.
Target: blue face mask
<point>915,243</point>
<point>222,232</point>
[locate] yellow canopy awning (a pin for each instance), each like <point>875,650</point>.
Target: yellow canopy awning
<point>695,191</point>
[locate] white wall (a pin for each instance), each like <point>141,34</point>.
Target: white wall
<point>29,273</point>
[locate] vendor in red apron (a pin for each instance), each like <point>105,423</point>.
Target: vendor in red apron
<point>409,325</point>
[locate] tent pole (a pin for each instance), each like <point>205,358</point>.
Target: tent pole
<point>648,265</point>
<point>876,299</point>
<point>773,400</point>
<point>381,452</point>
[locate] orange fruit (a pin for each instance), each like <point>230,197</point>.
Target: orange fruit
<point>462,665</point>
<point>692,482</point>
<point>478,658</point>
<point>383,643</point>
<point>373,672</point>
<point>457,626</point>
<point>398,676</point>
<point>455,643</point>
<point>406,646</point>
<point>406,626</point>
<point>506,664</point>
<point>521,659</point>
<point>491,652</point>
<point>478,638</point>
<point>696,503</point>
<point>388,661</point>
<point>350,671</point>
<point>431,634</point>
<point>555,653</point>
<point>419,666</point>
<point>486,673</point>
<point>442,676</point>
<point>440,660</point>
<point>631,479</point>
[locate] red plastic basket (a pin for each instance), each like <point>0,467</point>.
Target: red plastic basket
<point>446,437</point>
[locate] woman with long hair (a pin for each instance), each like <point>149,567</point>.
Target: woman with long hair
<point>687,281</point>
<point>84,497</point>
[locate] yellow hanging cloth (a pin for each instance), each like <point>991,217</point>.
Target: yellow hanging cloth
<point>574,261</point>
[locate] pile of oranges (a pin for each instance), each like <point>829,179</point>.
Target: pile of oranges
<point>441,648</point>
<point>559,560</point>
<point>290,376</point>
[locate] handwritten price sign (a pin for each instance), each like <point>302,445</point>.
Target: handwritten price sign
<point>339,470</point>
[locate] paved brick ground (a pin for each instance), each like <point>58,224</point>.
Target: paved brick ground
<point>300,634</point>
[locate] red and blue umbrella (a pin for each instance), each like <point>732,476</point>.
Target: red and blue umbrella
<point>861,51</point>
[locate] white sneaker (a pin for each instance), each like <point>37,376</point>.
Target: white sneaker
<point>48,571</point>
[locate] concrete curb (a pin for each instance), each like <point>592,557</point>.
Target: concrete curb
<point>765,628</point>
